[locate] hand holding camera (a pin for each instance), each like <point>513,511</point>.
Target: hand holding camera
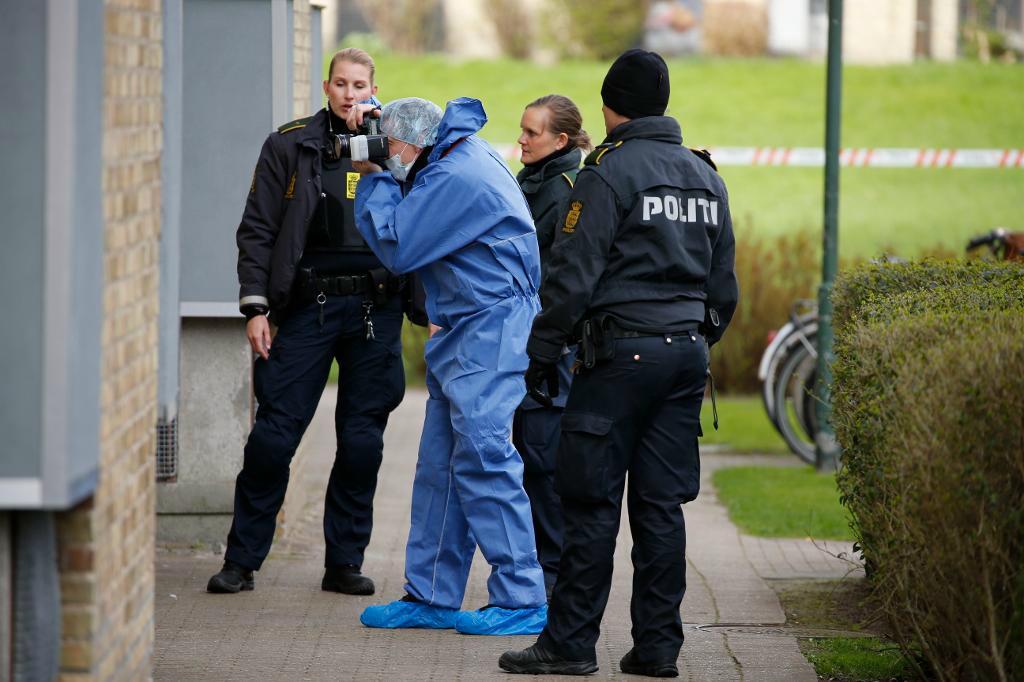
<point>367,145</point>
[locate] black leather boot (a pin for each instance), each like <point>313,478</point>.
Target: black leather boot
<point>536,660</point>
<point>232,578</point>
<point>346,579</point>
<point>630,665</point>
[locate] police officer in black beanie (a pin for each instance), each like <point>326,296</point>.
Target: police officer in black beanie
<point>641,277</point>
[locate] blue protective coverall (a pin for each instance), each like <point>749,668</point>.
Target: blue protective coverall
<point>465,228</point>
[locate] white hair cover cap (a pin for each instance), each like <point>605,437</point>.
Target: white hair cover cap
<point>412,120</point>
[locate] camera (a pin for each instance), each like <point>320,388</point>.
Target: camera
<point>367,145</point>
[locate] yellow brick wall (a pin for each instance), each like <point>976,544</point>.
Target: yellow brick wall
<point>106,543</point>
<point>301,41</point>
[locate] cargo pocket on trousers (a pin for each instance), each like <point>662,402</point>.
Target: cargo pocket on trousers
<point>584,451</point>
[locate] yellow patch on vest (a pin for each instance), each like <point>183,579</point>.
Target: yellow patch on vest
<point>351,180</point>
<point>290,192</point>
<point>572,217</point>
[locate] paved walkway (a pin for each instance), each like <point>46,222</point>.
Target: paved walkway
<point>288,629</point>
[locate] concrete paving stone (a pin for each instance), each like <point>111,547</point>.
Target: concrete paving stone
<point>289,629</point>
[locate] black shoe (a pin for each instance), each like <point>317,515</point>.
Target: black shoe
<point>536,660</point>
<point>631,666</point>
<point>232,578</point>
<point>346,579</point>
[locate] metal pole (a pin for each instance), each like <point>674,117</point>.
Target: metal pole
<point>826,448</point>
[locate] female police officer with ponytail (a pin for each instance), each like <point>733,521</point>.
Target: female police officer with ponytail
<point>552,143</point>
<point>302,263</point>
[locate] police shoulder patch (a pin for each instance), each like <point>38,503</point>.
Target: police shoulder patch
<point>294,125</point>
<point>594,158</point>
<point>705,156</point>
<point>572,217</point>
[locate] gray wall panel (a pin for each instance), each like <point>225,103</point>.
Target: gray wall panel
<point>226,114</point>
<point>291,60</point>
<point>51,267</point>
<point>316,61</point>
<point>22,187</point>
<point>87,282</point>
<point>170,232</point>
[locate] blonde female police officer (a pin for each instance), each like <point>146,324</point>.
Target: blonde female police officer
<point>301,260</point>
<point>642,272</point>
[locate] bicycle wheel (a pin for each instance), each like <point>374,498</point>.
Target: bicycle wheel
<point>795,404</point>
<point>775,357</point>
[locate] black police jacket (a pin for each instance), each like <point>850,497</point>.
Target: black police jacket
<point>284,193</point>
<point>283,196</point>
<point>646,240</point>
<point>547,190</point>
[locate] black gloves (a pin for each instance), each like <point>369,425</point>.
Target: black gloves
<point>536,375</point>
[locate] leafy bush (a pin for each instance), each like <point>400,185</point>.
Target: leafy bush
<point>599,28</point>
<point>408,26</point>
<point>928,404</point>
<point>735,29</point>
<point>414,340</point>
<point>879,281</point>
<point>512,24</point>
<point>773,273</point>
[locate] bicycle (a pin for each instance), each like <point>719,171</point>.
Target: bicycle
<point>788,366</point>
<point>1003,244</point>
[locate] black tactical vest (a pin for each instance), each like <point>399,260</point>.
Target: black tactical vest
<point>332,228</point>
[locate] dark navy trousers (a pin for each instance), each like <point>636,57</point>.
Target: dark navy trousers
<point>637,414</point>
<point>288,386</point>
<point>535,434</point>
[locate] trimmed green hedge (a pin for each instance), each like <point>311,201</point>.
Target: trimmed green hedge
<point>928,404</point>
<point>877,282</point>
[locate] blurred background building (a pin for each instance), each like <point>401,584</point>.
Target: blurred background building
<point>875,31</point>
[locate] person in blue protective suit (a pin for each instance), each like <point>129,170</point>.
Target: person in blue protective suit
<point>464,226</point>
<point>552,144</point>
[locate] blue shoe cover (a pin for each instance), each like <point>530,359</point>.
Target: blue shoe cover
<point>495,620</point>
<point>408,614</point>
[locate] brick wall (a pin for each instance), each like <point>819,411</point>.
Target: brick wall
<point>301,41</point>
<point>106,543</point>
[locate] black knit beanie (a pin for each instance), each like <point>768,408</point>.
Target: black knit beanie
<point>637,85</point>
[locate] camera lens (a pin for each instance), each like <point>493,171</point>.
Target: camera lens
<point>341,146</point>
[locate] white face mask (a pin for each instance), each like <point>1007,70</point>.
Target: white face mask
<point>398,169</point>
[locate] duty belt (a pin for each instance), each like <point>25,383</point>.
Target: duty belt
<point>380,284</point>
<point>598,334</point>
<point>631,334</point>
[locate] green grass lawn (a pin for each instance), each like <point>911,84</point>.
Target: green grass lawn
<point>783,502</point>
<point>856,659</point>
<point>779,102</point>
<point>895,210</point>
<point>842,605</point>
<point>743,426</point>
<point>739,102</point>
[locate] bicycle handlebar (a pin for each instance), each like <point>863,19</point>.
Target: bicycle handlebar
<point>997,235</point>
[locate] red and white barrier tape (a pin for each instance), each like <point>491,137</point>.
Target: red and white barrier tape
<point>853,157</point>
